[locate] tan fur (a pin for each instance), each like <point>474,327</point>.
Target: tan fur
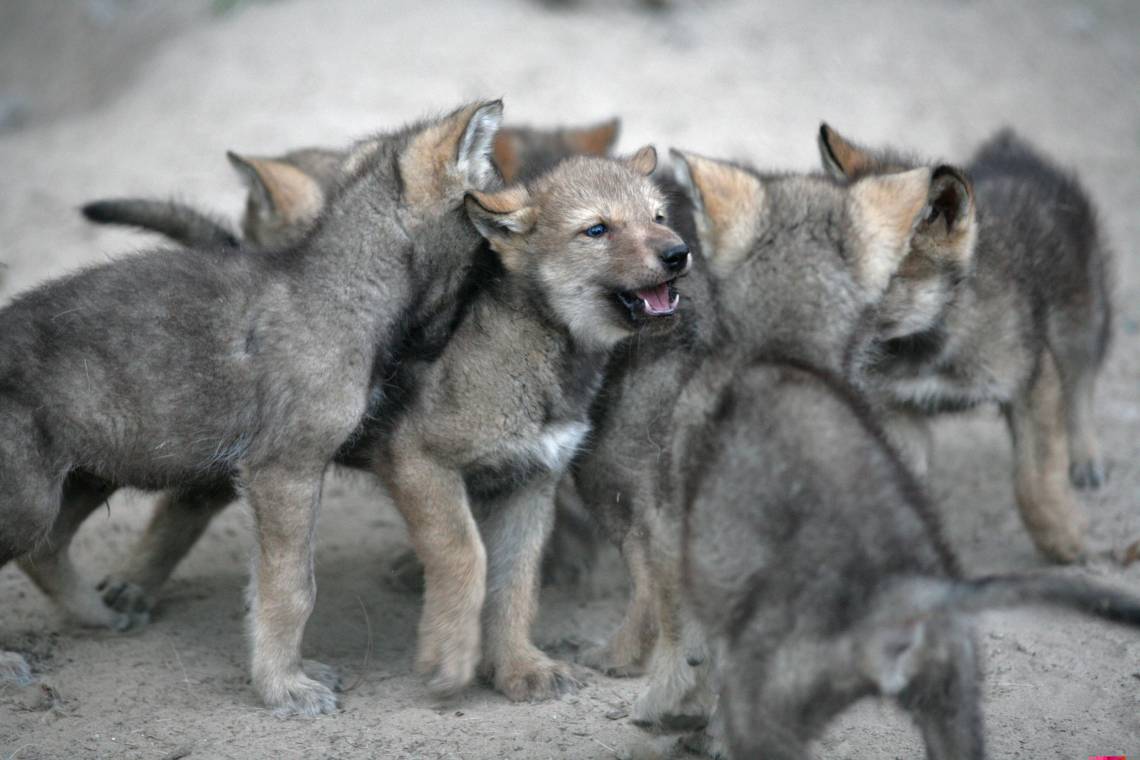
<point>505,154</point>
<point>593,141</point>
<point>434,503</point>
<point>295,195</point>
<point>729,206</point>
<point>851,159</point>
<point>644,161</point>
<point>884,211</point>
<point>428,167</point>
<point>1041,467</point>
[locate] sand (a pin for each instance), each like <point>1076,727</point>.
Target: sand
<point>109,97</point>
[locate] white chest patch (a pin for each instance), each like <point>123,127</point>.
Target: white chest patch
<point>557,445</point>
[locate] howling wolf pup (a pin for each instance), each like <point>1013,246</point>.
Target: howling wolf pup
<point>1011,306</point>
<point>809,554</point>
<point>206,372</point>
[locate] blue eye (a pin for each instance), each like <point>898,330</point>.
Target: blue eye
<point>596,231</point>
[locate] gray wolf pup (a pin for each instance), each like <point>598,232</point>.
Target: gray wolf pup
<point>1011,306</point>
<point>817,569</point>
<point>209,372</point>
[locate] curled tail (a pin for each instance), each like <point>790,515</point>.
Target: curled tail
<point>177,221</point>
<point>1079,594</point>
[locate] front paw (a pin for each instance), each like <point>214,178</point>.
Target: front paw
<point>536,677</point>
<point>125,596</point>
<point>298,694</point>
<point>1089,474</point>
<point>612,661</point>
<point>448,657</point>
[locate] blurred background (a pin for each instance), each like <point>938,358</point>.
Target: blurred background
<point>103,98</point>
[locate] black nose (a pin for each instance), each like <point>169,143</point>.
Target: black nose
<point>676,258</point>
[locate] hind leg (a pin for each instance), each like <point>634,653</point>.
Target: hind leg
<point>50,567</point>
<point>1041,467</point>
<point>679,695</point>
<point>179,519</point>
<point>628,648</point>
<point>515,531</point>
<point>283,590</point>
<point>945,700</point>
<point>1078,385</point>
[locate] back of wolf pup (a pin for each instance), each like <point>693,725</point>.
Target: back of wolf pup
<point>236,388</point>
<point>817,567</point>
<point>1014,308</point>
<point>287,192</point>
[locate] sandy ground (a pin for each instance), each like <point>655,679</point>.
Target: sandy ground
<point>107,97</point>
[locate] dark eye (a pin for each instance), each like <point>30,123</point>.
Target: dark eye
<point>660,218</point>
<point>596,231</point>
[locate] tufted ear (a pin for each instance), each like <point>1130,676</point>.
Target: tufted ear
<point>279,190</point>
<point>842,159</point>
<point>644,161</point>
<point>728,202</point>
<point>595,140</point>
<point>504,219</point>
<point>948,229</point>
<point>885,210</point>
<point>451,155</point>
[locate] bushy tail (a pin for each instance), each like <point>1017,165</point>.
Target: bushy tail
<point>177,221</point>
<point>1079,594</point>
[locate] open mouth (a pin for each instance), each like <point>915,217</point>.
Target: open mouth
<point>656,301</point>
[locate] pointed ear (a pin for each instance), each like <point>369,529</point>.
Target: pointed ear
<point>842,159</point>
<point>597,140</point>
<point>506,151</point>
<point>644,161</point>
<point>452,155</point>
<point>884,210</point>
<point>503,218</point>
<point>892,655</point>
<point>278,189</point>
<point>948,227</point>
<point>728,202</point>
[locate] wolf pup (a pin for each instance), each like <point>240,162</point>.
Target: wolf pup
<point>287,192</point>
<point>809,554</point>
<point>589,261</point>
<point>227,372</point>
<point>817,568</point>
<point>1011,307</point>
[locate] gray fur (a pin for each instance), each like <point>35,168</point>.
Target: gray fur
<point>166,370</point>
<point>1021,318</point>
<point>813,563</point>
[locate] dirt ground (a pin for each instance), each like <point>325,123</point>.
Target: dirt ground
<point>108,97</point>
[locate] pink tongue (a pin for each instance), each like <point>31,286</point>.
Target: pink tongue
<point>656,299</point>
